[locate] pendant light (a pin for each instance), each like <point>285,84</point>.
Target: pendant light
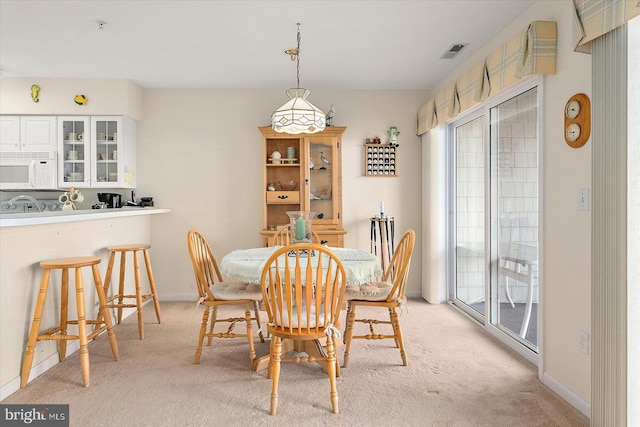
<point>297,115</point>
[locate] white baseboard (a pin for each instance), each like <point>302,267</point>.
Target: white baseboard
<point>178,297</point>
<point>36,370</point>
<point>194,298</point>
<point>573,399</point>
<point>414,294</point>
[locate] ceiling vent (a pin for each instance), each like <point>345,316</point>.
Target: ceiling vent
<point>454,50</point>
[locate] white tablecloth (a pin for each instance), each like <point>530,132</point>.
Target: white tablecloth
<point>247,264</point>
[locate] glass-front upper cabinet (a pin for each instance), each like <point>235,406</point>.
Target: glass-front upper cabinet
<point>114,152</point>
<point>322,179</point>
<point>106,132</point>
<point>96,151</point>
<point>74,152</point>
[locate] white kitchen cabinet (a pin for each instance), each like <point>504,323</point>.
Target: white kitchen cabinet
<point>105,158</point>
<point>114,152</point>
<point>74,152</point>
<point>9,133</point>
<point>28,133</point>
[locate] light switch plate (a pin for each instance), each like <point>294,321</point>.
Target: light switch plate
<point>583,199</point>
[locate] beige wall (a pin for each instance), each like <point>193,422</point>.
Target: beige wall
<point>200,153</point>
<point>104,97</point>
<point>566,232</point>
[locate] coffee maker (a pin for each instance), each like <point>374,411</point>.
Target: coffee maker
<point>113,200</point>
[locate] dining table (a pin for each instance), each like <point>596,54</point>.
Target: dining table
<point>247,265</point>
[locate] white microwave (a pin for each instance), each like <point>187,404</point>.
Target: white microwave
<point>34,170</point>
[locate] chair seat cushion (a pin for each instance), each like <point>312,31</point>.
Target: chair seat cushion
<point>236,290</point>
<point>371,291</point>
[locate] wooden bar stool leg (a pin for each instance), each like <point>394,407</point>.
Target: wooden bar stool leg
<point>106,285</point>
<point>35,328</point>
<point>82,328</point>
<point>136,267</point>
<point>152,284</point>
<point>105,312</point>
<point>64,314</point>
<point>123,261</point>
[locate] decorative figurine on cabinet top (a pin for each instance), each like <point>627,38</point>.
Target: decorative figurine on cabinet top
<point>393,133</point>
<point>329,116</point>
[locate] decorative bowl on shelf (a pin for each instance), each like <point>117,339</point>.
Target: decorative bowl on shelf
<point>287,185</point>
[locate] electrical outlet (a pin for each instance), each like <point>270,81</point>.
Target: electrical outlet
<point>583,341</point>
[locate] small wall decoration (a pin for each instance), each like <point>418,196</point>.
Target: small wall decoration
<point>35,91</point>
<point>80,100</point>
<point>381,159</point>
<point>577,120</point>
<point>393,133</point>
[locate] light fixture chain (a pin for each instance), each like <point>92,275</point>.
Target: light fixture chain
<point>298,60</point>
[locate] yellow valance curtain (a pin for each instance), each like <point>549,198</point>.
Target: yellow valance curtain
<point>532,51</point>
<point>594,18</point>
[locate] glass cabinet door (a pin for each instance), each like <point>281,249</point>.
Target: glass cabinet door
<point>74,152</point>
<point>106,137</point>
<point>322,179</point>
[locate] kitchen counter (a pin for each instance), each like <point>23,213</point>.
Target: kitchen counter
<point>28,238</point>
<point>52,217</point>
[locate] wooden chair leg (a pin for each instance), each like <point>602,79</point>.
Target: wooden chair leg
<point>203,329</point>
<point>395,335</point>
<point>349,333</point>
<point>82,328</point>
<point>35,328</point>
<point>102,298</point>
<point>270,366</point>
<point>331,367</point>
<point>214,318</point>
<point>252,351</point>
<point>398,335</point>
<point>256,310</point>
<point>275,374</point>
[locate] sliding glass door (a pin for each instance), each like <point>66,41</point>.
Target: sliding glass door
<point>494,219</point>
<point>469,200</point>
<point>514,213</point>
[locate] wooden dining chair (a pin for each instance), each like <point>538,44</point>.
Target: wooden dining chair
<point>389,294</point>
<point>303,287</point>
<point>283,237</point>
<point>214,292</point>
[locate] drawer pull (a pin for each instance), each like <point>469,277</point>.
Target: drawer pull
<point>324,242</point>
<point>283,197</point>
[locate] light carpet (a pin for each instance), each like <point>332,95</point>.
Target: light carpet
<point>458,375</point>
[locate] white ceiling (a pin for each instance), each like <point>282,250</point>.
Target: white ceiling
<point>240,44</point>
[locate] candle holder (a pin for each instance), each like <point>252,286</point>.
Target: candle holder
<point>300,228</point>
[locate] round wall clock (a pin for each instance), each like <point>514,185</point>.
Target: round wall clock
<point>577,120</point>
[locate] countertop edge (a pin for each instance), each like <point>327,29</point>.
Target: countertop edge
<point>88,215</point>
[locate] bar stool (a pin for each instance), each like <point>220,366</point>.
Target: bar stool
<point>139,297</point>
<point>60,332</point>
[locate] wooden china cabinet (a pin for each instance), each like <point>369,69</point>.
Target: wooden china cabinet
<point>306,177</point>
